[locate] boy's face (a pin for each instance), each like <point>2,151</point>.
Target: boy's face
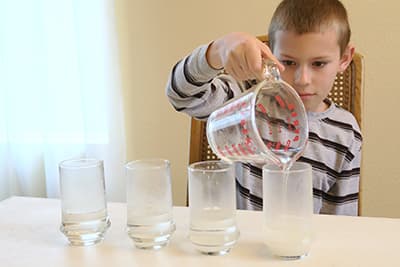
<point>311,62</point>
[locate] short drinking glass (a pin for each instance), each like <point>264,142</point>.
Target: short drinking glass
<point>288,210</point>
<point>149,203</point>
<point>83,201</point>
<point>212,205</point>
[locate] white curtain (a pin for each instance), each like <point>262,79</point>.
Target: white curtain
<point>60,93</point>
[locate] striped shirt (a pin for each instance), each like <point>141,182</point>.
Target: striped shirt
<point>333,148</point>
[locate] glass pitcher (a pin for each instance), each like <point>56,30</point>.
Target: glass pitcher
<point>267,123</point>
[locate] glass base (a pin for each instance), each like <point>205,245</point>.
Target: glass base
<point>292,258</point>
<point>151,237</point>
<point>151,244</point>
<point>214,241</point>
<point>216,253</point>
<point>85,233</point>
<point>85,240</point>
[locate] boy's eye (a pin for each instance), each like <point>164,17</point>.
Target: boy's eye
<point>288,62</point>
<point>319,64</point>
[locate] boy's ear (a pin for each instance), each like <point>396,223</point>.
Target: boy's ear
<point>346,58</point>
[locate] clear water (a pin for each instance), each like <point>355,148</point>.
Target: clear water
<point>213,231</point>
<point>150,232</point>
<point>232,145</point>
<point>83,193</point>
<point>84,229</point>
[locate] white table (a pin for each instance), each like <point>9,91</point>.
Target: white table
<point>30,236</point>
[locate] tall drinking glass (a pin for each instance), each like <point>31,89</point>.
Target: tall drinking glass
<point>149,203</point>
<point>83,201</point>
<point>212,205</point>
<point>288,210</point>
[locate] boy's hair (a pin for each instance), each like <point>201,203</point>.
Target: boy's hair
<point>304,16</point>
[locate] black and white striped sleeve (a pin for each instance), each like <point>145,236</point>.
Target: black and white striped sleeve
<point>343,196</point>
<point>197,89</point>
<point>347,187</point>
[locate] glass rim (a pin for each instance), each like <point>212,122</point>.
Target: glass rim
<point>156,163</point>
<point>226,166</point>
<point>303,166</point>
<point>86,163</point>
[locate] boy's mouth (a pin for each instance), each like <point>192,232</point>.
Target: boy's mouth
<point>306,96</point>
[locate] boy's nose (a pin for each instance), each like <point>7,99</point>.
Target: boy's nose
<point>302,76</point>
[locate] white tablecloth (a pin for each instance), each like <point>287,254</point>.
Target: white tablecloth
<point>30,236</point>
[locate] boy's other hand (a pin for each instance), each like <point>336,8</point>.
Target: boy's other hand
<point>241,55</point>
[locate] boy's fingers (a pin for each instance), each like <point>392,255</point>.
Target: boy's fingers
<point>243,65</point>
<point>236,72</point>
<point>267,54</point>
<point>253,60</point>
<point>237,67</point>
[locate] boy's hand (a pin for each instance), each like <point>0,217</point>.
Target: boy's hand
<point>241,55</point>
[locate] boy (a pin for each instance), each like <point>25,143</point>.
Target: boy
<point>309,40</point>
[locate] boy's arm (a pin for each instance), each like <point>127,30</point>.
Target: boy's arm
<point>196,88</point>
<point>345,192</point>
<point>241,55</point>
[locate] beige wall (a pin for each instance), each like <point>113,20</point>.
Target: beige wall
<point>154,34</point>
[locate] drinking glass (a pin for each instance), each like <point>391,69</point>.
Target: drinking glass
<point>149,203</point>
<point>212,205</point>
<point>288,210</point>
<point>83,201</point>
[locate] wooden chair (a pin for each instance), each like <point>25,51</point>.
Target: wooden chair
<point>346,92</point>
